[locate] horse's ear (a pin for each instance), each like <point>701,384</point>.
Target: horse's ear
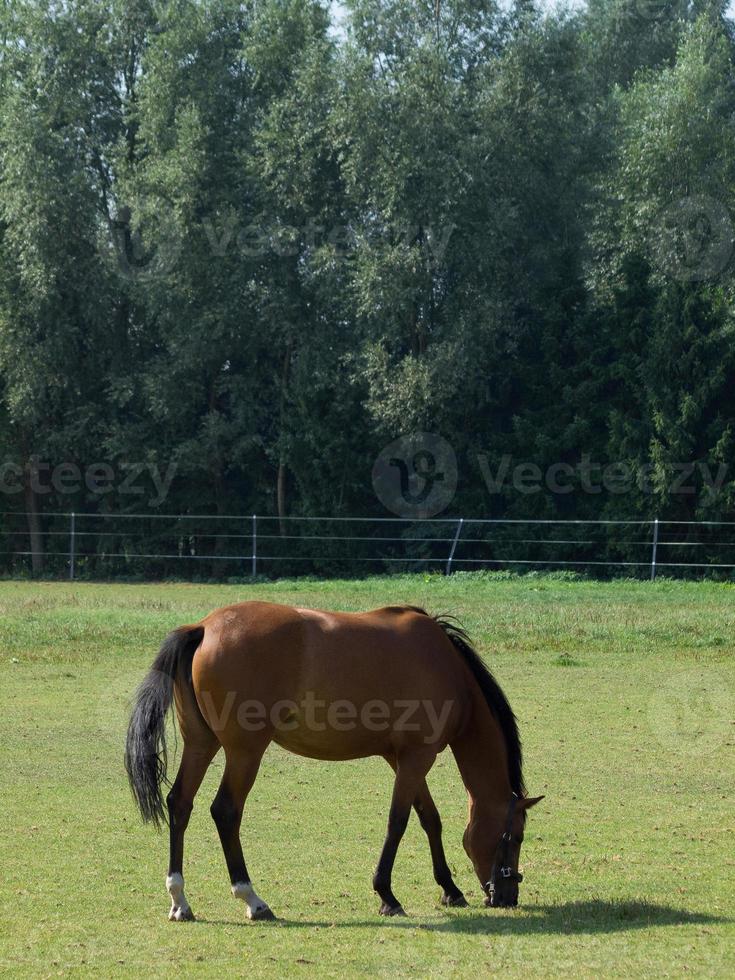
<point>528,801</point>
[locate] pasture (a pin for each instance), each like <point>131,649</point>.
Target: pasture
<point>625,694</point>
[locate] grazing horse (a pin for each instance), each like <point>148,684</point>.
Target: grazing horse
<point>394,682</point>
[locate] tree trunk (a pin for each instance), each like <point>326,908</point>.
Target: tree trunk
<point>220,543</point>
<point>281,486</point>
<point>34,518</point>
<point>281,496</point>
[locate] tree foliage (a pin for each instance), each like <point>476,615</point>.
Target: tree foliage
<point>240,241</point>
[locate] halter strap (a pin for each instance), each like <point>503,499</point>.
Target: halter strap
<point>500,865</point>
<point>511,814</point>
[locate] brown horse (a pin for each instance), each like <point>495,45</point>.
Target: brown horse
<point>394,682</point>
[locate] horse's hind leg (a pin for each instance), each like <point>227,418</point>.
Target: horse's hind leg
<point>194,764</point>
<point>241,768</point>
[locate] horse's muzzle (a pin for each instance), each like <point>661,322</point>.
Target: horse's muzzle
<point>502,893</point>
<point>496,902</point>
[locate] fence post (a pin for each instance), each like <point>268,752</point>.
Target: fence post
<point>454,546</point>
<point>255,546</point>
<point>72,544</point>
<point>654,549</point>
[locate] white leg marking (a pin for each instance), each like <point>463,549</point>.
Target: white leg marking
<point>256,908</point>
<point>180,908</point>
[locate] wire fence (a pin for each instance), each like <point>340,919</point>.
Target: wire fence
<point>189,546</point>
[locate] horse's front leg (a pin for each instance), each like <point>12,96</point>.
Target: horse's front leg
<point>431,822</point>
<point>411,770</point>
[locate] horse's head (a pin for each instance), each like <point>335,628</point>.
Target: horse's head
<point>494,846</point>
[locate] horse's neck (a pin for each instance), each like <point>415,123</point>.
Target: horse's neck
<point>482,760</point>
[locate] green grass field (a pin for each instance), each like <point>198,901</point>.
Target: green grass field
<point>625,697</point>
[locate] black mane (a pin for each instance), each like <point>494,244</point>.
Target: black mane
<point>496,700</point>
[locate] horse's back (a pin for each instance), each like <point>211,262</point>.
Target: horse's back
<point>294,666</point>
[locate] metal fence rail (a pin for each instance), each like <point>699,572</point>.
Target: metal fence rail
<point>111,545</point>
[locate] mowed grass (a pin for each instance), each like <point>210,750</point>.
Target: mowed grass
<point>625,694</point>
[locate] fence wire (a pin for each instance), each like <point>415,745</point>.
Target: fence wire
<point>79,545</point>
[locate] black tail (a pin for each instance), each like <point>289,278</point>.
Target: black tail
<point>145,748</point>
<point>496,700</point>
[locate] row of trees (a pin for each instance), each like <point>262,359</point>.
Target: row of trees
<point>247,245</point>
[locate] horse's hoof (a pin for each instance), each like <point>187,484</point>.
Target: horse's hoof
<point>262,915</point>
<point>457,901</point>
<point>178,914</point>
<point>386,909</point>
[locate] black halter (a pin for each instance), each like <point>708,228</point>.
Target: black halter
<point>501,868</point>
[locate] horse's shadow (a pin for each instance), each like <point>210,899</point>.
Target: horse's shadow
<point>575,918</point>
<point>567,918</point>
